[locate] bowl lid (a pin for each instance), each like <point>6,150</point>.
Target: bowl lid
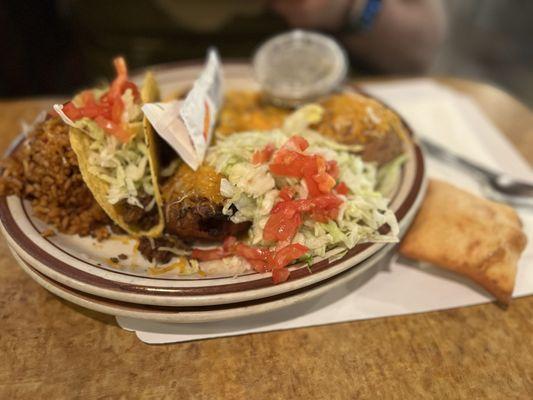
<point>299,66</point>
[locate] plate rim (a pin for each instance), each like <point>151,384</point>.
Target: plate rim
<point>197,315</point>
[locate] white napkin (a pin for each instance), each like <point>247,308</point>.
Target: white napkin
<point>187,126</point>
<point>395,286</point>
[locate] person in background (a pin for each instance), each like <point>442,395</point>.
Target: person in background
<point>395,36</point>
<point>78,38</point>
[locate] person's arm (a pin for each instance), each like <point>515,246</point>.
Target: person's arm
<point>403,37</point>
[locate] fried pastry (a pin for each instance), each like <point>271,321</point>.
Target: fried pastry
<point>474,237</point>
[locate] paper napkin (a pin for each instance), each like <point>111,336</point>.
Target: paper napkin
<point>187,126</point>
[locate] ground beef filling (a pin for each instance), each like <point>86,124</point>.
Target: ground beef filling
<point>137,216</point>
<point>151,248</point>
<point>200,218</point>
<point>193,205</point>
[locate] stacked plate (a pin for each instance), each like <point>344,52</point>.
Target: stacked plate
<point>90,274</point>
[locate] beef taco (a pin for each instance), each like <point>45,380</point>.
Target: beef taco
<point>115,147</point>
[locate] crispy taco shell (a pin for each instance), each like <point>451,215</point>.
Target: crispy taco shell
<point>80,143</point>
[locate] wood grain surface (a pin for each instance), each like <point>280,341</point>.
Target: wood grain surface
<point>50,349</point>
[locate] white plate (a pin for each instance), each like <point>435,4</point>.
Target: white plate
<point>197,314</point>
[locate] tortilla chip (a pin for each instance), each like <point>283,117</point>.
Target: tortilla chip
<point>477,238</point>
<point>80,142</point>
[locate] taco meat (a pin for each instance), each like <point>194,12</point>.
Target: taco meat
<point>193,205</point>
<point>154,249</point>
<point>139,217</point>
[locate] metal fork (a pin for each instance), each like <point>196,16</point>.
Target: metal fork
<point>498,186</point>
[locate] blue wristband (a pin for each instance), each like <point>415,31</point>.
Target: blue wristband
<point>368,16</point>
<point>365,20</point>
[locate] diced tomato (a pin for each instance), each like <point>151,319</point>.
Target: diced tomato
<point>284,257</point>
<point>272,227</point>
<point>208,255</point>
<point>120,84</point>
<point>264,155</point>
<point>117,110</point>
<point>229,243</point>
<point>134,89</point>
<point>341,188</point>
<point>280,275</point>
<point>324,215</point>
<point>87,97</point>
<point>283,223</point>
<point>324,181</point>
<point>249,252</point>
<point>326,207</point>
<point>319,175</point>
<point>120,67</point>
<point>281,228</point>
<point>319,216</point>
<point>104,99</point>
<point>261,259</point>
<point>72,111</point>
<point>320,163</point>
<point>287,193</point>
<point>270,260</point>
<point>323,202</point>
<point>285,218</point>
<point>115,129</point>
<point>287,208</point>
<point>332,168</point>
<point>288,254</point>
<point>258,265</point>
<point>322,208</point>
<point>108,111</point>
<point>288,160</point>
<point>315,176</point>
<point>288,163</point>
<point>91,110</point>
<point>296,142</point>
<point>304,205</point>
<point>308,174</point>
<point>326,202</point>
<point>117,86</point>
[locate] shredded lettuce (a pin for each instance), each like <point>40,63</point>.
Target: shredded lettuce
<point>389,173</point>
<point>252,190</point>
<point>132,110</point>
<point>124,166</point>
<point>302,118</point>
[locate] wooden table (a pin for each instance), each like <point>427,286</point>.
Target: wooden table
<point>52,349</point>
